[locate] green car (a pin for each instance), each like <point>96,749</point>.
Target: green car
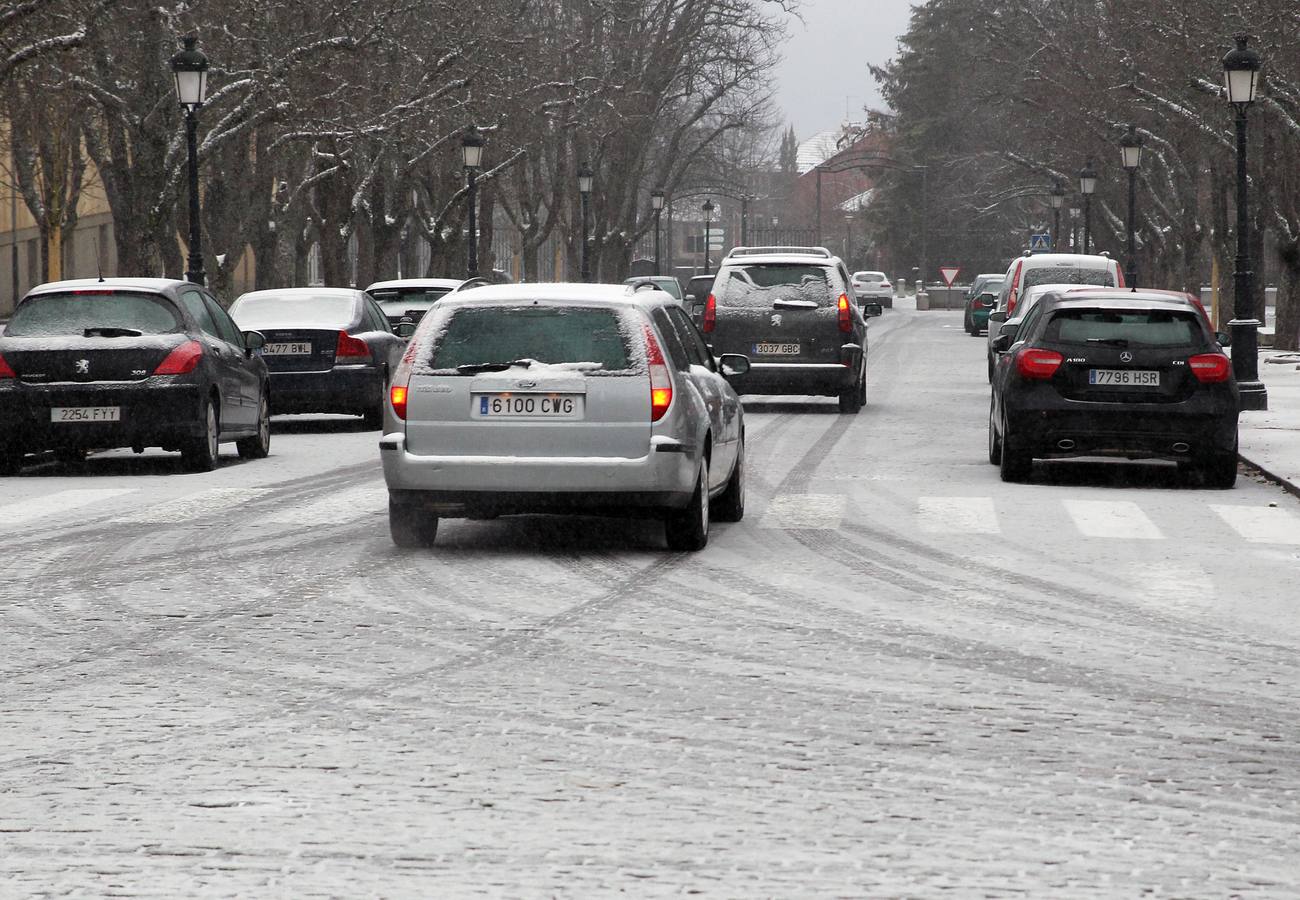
<point>981,299</point>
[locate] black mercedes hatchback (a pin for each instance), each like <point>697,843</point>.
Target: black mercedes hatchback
<point>120,362</point>
<point>1114,374</point>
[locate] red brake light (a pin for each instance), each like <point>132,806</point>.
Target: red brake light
<point>1011,303</point>
<point>710,314</point>
<point>399,386</point>
<point>182,360</point>
<point>1032,362</point>
<point>846,316</point>
<point>5,370</point>
<point>1119,277</point>
<point>351,347</point>
<point>1210,368</point>
<point>661,382</point>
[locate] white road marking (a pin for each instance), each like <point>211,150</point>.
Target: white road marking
<point>1112,519</point>
<point>944,515</point>
<point>820,511</point>
<point>1172,585</point>
<point>1261,524</point>
<point>338,508</point>
<point>193,506</point>
<point>47,507</point>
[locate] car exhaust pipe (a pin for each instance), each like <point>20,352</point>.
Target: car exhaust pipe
<point>1180,447</point>
<point>1065,444</point>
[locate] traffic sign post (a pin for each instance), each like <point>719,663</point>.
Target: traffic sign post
<point>949,274</point>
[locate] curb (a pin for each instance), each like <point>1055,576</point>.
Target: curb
<point>1285,484</point>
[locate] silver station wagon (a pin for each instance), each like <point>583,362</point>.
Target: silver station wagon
<point>563,398</point>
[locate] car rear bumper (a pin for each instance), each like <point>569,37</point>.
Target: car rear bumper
<point>1173,431</point>
<point>795,378</point>
<point>158,411</point>
<point>451,485</point>
<point>344,389</point>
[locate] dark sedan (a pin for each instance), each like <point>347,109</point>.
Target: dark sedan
<point>1113,374</point>
<point>118,362</point>
<point>329,350</point>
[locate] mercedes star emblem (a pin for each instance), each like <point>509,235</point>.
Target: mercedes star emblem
<point>1126,357</point>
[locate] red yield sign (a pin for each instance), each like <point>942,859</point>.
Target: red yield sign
<point>949,274</point>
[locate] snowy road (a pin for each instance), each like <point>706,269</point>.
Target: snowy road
<point>896,676</point>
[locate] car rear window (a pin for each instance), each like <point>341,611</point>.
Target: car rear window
<point>330,311</point>
<point>73,314</point>
<point>547,334</point>
<point>758,284</point>
<point>1147,327</point>
<point>1067,275</point>
<point>396,302</point>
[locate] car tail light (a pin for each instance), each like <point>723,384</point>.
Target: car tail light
<point>350,347</point>
<point>1032,362</point>
<point>1210,368</point>
<point>710,319</point>
<point>5,370</point>
<point>845,314</point>
<point>400,384</point>
<point>183,360</point>
<point>1119,278</point>
<point>1011,303</point>
<point>661,382</point>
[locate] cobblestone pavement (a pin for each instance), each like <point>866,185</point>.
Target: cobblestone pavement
<point>897,676</point>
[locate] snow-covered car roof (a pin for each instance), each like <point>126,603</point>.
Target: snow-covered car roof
<point>813,256</point>
<point>1067,260</point>
<point>496,294</point>
<point>415,283</point>
<point>152,285</point>
<point>303,292</point>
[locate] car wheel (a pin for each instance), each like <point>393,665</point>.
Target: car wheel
<point>200,454</point>
<point>258,446</point>
<point>995,442</point>
<point>1220,471</point>
<point>687,530</point>
<point>990,359</point>
<point>854,396</point>
<point>410,526</point>
<point>730,505</point>
<point>1015,465</point>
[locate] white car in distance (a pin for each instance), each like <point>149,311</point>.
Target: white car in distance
<point>873,286</point>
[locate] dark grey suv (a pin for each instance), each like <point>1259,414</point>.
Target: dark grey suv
<point>793,312</point>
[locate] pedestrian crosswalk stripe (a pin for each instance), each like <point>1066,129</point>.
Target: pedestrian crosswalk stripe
<point>819,511</point>
<point>26,511</point>
<point>945,515</point>
<point>349,505</point>
<point>1261,524</point>
<point>1112,519</point>
<point>182,509</point>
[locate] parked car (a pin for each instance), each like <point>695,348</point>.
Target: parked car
<point>329,350</point>
<point>981,299</point>
<point>563,398</point>
<point>410,298</point>
<point>664,282</point>
<point>874,286</point>
<point>794,313</point>
<point>1114,374</point>
<point>697,293</point>
<point>95,364</point>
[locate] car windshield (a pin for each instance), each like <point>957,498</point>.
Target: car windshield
<point>395,301</point>
<point>488,336</point>
<point>269,310</point>
<point>1127,327</point>
<point>92,311</point>
<point>759,284</point>
<point>1067,275</point>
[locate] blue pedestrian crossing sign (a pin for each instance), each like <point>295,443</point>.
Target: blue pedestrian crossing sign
<point>1040,242</point>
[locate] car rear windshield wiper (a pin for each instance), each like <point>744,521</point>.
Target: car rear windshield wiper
<point>475,368</point>
<point>1109,342</point>
<point>111,331</point>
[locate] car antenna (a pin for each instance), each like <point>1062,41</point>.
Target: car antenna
<point>99,260</point>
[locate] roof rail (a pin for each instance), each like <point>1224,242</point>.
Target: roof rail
<point>757,251</point>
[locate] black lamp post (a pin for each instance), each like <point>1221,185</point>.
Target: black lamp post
<point>1087,187</point>
<point>1130,146</point>
<point>708,219</point>
<point>1056,199</point>
<point>657,204</point>
<point>190,69</point>
<point>1241,79</point>
<point>585,178</point>
<point>744,220</point>
<point>471,150</point>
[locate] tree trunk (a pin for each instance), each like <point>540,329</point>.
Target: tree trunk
<point>1287,333</point>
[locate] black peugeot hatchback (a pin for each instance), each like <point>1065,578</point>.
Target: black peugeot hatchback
<point>122,362</point>
<point>1114,374</point>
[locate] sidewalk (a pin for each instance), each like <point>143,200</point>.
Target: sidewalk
<point>1270,439</point>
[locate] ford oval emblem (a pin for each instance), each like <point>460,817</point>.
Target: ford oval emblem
<point>526,385</point>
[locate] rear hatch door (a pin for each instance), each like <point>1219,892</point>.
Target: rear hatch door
<point>299,349</point>
<point>778,313</point>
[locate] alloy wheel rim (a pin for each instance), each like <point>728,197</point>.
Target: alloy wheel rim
<point>704,499</point>
<point>212,431</point>
<point>264,424</point>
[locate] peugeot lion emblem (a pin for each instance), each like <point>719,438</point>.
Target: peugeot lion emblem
<point>1126,357</point>
<point>776,319</point>
<point>83,366</point>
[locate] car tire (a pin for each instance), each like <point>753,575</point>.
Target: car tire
<point>687,530</point>
<point>259,445</point>
<point>854,397</point>
<point>1014,465</point>
<point>1220,471</point>
<point>410,526</point>
<point>990,360</point>
<point>373,417</point>
<point>200,454</point>
<point>730,505</point>
<point>995,442</point>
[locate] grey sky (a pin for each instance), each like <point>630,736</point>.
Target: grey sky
<point>826,60</point>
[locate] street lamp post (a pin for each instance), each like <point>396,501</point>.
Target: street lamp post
<point>1056,198</point>
<point>1130,146</point>
<point>585,178</point>
<point>1087,186</point>
<point>744,220</point>
<point>657,204</point>
<point>1241,68</point>
<point>190,69</point>
<point>708,219</point>
<point>471,150</point>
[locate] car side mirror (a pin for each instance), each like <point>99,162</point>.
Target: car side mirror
<point>871,310</point>
<point>733,364</point>
<point>1224,338</point>
<point>1002,343</point>
<point>253,341</point>
<point>405,328</point>
<point>988,299</point>
<point>689,298</point>
<point>999,316</point>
